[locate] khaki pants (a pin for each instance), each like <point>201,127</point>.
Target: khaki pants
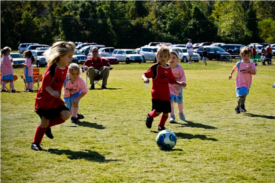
<point>94,73</point>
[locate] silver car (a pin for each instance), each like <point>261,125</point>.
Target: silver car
<point>17,58</point>
<point>127,55</point>
<point>40,59</point>
<point>149,53</point>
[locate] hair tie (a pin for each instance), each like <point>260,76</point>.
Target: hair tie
<point>175,52</point>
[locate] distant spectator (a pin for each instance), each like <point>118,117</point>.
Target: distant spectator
<point>269,54</point>
<point>204,56</point>
<point>6,69</point>
<point>263,58</point>
<point>190,50</point>
<point>263,50</point>
<point>254,51</point>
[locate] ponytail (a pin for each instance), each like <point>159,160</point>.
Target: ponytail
<point>29,54</point>
<point>5,50</point>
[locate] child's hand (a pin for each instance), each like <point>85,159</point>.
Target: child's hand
<point>183,84</point>
<point>230,77</point>
<point>55,94</point>
<point>146,80</point>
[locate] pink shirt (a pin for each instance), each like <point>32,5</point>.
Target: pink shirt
<point>6,66</point>
<point>244,77</point>
<point>180,76</point>
<point>72,88</point>
<point>28,62</point>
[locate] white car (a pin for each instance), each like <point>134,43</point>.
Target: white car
<point>17,58</point>
<point>40,59</point>
<point>106,50</point>
<point>23,47</point>
<point>184,55</point>
<point>127,55</point>
<point>149,53</point>
<point>217,44</point>
<point>78,57</point>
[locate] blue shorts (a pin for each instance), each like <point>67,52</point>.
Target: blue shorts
<point>176,99</point>
<point>7,77</point>
<point>29,79</point>
<point>242,91</point>
<point>68,101</point>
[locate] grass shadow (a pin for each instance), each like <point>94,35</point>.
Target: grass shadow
<point>86,154</point>
<point>261,116</point>
<point>107,89</point>
<point>171,150</point>
<point>194,125</point>
<point>191,136</point>
<point>91,125</point>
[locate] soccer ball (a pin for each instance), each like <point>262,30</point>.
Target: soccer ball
<point>166,139</point>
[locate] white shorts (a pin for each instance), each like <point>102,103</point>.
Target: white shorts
<point>190,53</point>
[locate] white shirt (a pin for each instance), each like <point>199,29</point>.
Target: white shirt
<point>189,45</point>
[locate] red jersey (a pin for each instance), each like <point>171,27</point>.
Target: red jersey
<point>53,77</point>
<point>97,64</point>
<point>161,76</point>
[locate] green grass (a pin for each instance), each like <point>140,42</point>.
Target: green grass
<point>112,143</point>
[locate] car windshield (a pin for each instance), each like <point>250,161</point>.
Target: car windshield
<point>106,55</point>
<point>130,52</point>
<point>16,55</point>
<point>77,52</point>
<point>180,50</point>
<point>40,53</point>
<point>219,50</point>
<point>260,47</point>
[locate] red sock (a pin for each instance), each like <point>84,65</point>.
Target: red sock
<point>163,120</point>
<point>56,121</point>
<point>39,133</point>
<point>153,114</point>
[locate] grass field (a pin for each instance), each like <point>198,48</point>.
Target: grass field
<point>112,143</point>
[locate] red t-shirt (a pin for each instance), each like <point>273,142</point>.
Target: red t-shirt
<point>97,64</point>
<point>161,76</point>
<point>55,78</point>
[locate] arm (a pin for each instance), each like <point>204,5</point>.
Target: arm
<point>145,79</point>
<point>233,70</point>
<point>52,92</point>
<point>183,84</point>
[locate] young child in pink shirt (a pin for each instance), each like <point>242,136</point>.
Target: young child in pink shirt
<point>6,69</point>
<point>245,70</point>
<point>74,89</point>
<point>175,90</point>
<point>28,70</point>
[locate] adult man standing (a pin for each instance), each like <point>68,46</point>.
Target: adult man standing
<point>97,68</point>
<point>190,50</point>
<point>254,51</point>
<point>269,54</point>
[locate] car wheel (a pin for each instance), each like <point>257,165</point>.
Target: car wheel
<point>144,60</point>
<point>184,59</point>
<point>218,58</point>
<point>127,61</point>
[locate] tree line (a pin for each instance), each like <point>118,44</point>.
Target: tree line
<point>131,24</point>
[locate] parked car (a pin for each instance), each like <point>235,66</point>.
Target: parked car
<point>78,57</point>
<point>85,50</point>
<point>17,58</point>
<point>40,59</point>
<point>137,50</point>
<point>233,49</point>
<point>109,58</point>
<point>183,54</point>
<point>23,47</point>
<point>106,50</point>
<point>81,45</point>
<point>202,44</point>
<point>179,45</point>
<point>217,44</point>
<point>33,47</point>
<point>149,53</point>
<point>214,52</point>
<point>127,55</point>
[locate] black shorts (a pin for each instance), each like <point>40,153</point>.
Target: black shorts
<point>161,106</point>
<point>51,113</point>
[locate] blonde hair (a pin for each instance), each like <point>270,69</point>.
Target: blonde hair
<point>57,50</point>
<point>246,51</point>
<point>5,50</point>
<point>74,67</point>
<point>164,49</point>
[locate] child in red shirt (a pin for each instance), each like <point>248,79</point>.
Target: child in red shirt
<point>161,75</point>
<point>48,104</point>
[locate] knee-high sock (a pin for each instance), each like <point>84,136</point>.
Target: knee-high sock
<point>74,111</point>
<point>56,121</point>
<point>12,85</point>
<point>153,114</point>
<point>180,106</point>
<point>172,108</point>
<point>241,101</point>
<point>3,85</point>
<point>163,120</point>
<point>39,133</point>
<point>30,86</point>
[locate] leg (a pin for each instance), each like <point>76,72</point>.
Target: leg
<point>181,115</point>
<point>3,85</point>
<point>172,114</point>
<point>91,74</point>
<point>104,74</point>
<point>39,133</point>
<point>163,119</point>
<point>150,118</point>
<point>74,118</point>
<point>242,101</point>
<point>12,86</point>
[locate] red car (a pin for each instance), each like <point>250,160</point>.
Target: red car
<point>109,58</point>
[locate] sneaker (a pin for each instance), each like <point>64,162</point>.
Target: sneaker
<point>160,128</point>
<point>272,86</point>
<point>172,119</point>
<point>30,90</point>
<point>92,87</point>
<point>80,116</point>
<point>242,109</point>
<point>149,121</point>
<point>3,90</point>
<point>74,120</point>
<point>49,133</point>
<point>182,117</point>
<point>13,91</point>
<point>237,109</point>
<point>26,91</point>
<point>36,147</point>
<point>104,87</point>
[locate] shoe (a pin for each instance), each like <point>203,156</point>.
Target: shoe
<point>74,120</point>
<point>92,87</point>
<point>172,119</point>
<point>237,109</point>
<point>103,87</point>
<point>3,90</point>
<point>30,90</point>
<point>272,86</point>
<point>242,108</point>
<point>80,116</point>
<point>36,147</point>
<point>49,133</point>
<point>160,128</point>
<point>149,121</point>
<point>26,91</point>
<point>13,91</point>
<point>182,117</point>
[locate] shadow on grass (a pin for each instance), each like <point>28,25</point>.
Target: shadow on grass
<point>86,154</point>
<point>194,125</point>
<point>261,116</point>
<point>191,136</point>
<point>171,150</point>
<point>107,89</point>
<point>91,125</point>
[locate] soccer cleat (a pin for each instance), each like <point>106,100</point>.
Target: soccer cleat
<point>242,108</point>
<point>30,90</point>
<point>3,90</point>
<point>149,121</point>
<point>160,128</point>
<point>49,133</point>
<point>26,91</point>
<point>182,117</point>
<point>237,109</point>
<point>74,120</point>
<point>13,91</point>
<point>92,87</point>
<point>36,147</point>
<point>172,119</point>
<point>272,86</point>
<point>104,87</point>
<point>80,116</point>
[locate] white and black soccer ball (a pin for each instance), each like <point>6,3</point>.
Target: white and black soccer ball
<point>166,139</point>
